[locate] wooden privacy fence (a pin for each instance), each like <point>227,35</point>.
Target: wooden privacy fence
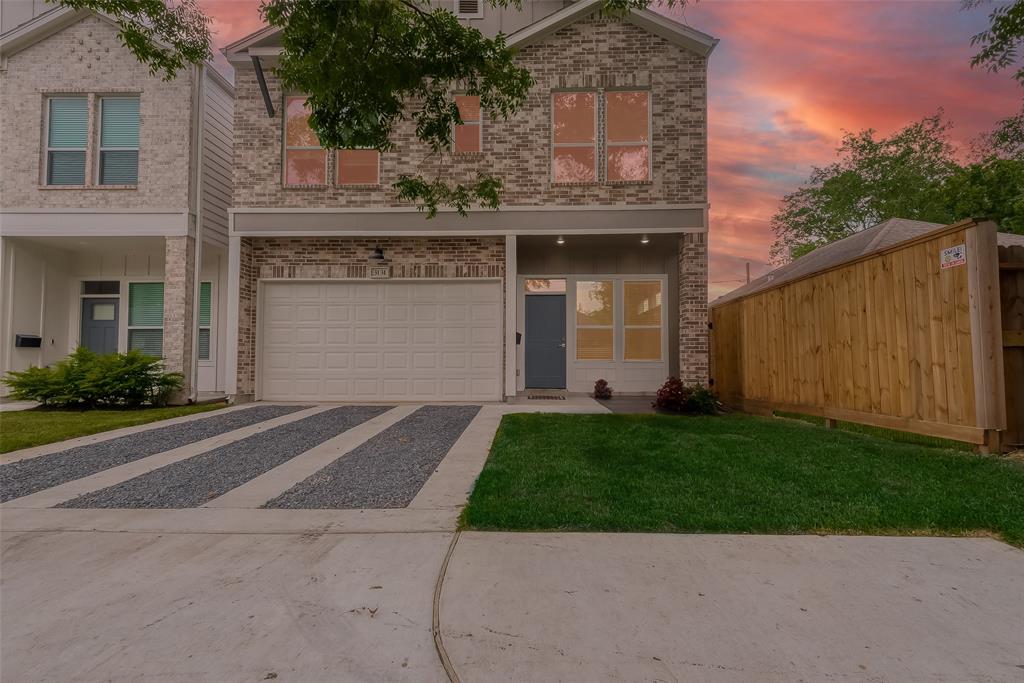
<point>890,339</point>
<point>1011,296</point>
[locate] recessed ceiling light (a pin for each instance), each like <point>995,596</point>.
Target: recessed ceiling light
<point>560,241</point>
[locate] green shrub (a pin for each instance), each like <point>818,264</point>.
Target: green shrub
<point>89,380</point>
<point>686,399</point>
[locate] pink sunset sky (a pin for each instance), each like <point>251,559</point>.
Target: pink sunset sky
<point>787,79</point>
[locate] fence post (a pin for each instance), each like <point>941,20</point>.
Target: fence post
<point>986,328</point>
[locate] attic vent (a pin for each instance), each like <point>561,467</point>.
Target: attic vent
<point>469,9</point>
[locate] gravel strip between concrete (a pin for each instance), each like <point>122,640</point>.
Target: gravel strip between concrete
<point>201,478</point>
<point>23,477</point>
<point>388,470</point>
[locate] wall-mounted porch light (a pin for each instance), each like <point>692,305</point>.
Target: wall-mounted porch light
<point>560,241</point>
<point>377,254</point>
<point>645,239</point>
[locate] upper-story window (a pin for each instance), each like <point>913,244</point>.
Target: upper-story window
<point>358,167</point>
<point>628,136</point>
<point>469,9</point>
<point>66,140</point>
<point>119,141</point>
<point>574,137</point>
<point>468,137</point>
<point>305,161</point>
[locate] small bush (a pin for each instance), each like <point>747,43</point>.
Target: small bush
<point>89,380</point>
<point>602,390</point>
<point>685,399</point>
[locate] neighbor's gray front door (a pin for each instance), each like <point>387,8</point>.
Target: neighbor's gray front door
<point>99,325</point>
<point>545,341</point>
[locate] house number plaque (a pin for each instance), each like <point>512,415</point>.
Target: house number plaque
<point>380,272</point>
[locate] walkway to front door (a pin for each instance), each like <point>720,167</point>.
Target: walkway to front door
<point>545,341</point>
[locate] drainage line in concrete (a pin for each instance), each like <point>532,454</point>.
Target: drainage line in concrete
<point>446,663</point>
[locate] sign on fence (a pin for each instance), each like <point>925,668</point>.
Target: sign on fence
<point>954,256</point>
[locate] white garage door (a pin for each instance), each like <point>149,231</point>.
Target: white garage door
<point>358,341</point>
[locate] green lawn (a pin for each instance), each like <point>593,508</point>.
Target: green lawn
<point>26,428</point>
<point>737,474</point>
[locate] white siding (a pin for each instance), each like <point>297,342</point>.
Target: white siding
<point>218,112</point>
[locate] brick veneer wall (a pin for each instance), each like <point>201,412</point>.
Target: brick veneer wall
<point>593,53</point>
<point>693,308</point>
<point>179,299</point>
<point>88,58</point>
<point>345,258</point>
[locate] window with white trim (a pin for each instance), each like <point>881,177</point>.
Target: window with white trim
<point>469,9</point>
<point>305,161</point>
<point>627,136</point>
<point>67,138</point>
<point>468,137</point>
<point>642,316</point>
<point>574,137</point>
<point>205,318</point>
<point>595,320</point>
<point>119,141</point>
<point>358,167</point>
<point>146,317</point>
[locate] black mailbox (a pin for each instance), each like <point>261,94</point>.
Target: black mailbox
<point>28,341</point>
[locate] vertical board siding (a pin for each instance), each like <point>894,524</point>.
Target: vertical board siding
<point>886,337</point>
<point>1011,297</point>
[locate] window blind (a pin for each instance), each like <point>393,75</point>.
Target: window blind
<point>66,140</point>
<point>119,141</point>
<point>146,304</point>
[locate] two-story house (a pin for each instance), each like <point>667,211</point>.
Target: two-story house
<point>114,189</point>
<point>594,267</point>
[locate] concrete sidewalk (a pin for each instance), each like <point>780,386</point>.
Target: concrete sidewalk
<point>644,607</point>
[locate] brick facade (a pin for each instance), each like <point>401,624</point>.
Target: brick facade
<point>88,58</point>
<point>593,53</point>
<point>179,299</point>
<point>693,308</point>
<point>343,258</point>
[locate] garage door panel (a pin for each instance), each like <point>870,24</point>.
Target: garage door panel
<point>396,361</point>
<point>366,335</point>
<point>338,313</point>
<point>396,335</point>
<point>424,335</point>
<point>377,341</point>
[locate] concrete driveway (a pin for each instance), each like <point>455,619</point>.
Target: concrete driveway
<point>223,589</point>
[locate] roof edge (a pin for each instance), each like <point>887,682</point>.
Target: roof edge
<point>669,29</point>
<point>931,234</point>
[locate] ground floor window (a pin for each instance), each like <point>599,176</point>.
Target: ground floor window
<point>205,310</point>
<point>595,320</point>
<point>146,317</point>
<point>642,320</point>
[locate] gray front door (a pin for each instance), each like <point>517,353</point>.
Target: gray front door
<point>99,325</point>
<point>545,341</point>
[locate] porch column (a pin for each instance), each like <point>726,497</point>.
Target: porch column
<point>693,308</point>
<point>179,297</point>
<point>511,300</point>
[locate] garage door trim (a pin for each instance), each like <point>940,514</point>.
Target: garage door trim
<point>260,320</point>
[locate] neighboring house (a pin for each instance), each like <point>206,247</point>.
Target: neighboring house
<point>594,267</point>
<point>114,184</point>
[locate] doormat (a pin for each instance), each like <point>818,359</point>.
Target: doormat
<point>545,397</point>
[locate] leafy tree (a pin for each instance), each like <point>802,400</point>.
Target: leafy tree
<point>1005,141</point>
<point>874,179</point>
<point>1000,42</point>
<point>993,187</point>
<point>366,65</point>
<point>913,174</point>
